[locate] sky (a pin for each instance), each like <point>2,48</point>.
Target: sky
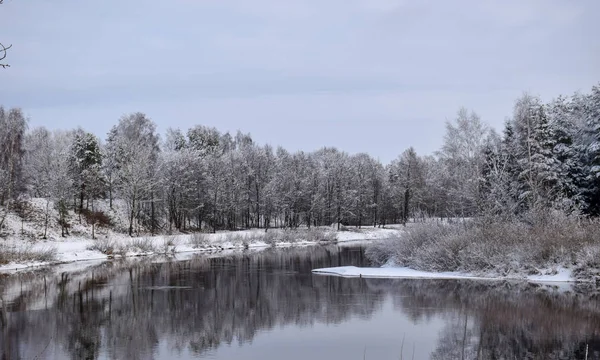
<point>374,76</point>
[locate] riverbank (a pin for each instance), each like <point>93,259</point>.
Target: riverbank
<point>27,254</point>
<point>539,247</point>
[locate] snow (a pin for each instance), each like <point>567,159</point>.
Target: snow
<point>368,234</point>
<point>392,272</point>
<point>560,275</point>
<point>557,276</point>
<point>78,249</point>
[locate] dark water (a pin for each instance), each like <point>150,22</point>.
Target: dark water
<point>268,305</point>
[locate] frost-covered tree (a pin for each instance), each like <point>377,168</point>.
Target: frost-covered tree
<point>591,116</point>
<point>134,146</point>
<point>567,166</point>
<point>335,186</point>
<point>533,150</point>
<point>12,133</point>
<point>363,167</point>
<point>407,184</point>
<point>39,166</point>
<point>499,176</point>
<point>85,165</point>
<point>182,180</point>
<point>46,171</point>
<point>204,139</point>
<point>462,155</point>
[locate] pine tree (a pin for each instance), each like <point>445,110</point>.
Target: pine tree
<point>592,122</point>
<point>85,162</point>
<point>568,168</point>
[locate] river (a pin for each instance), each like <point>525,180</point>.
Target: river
<point>268,305</point>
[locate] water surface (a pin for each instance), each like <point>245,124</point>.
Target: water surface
<point>268,305</point>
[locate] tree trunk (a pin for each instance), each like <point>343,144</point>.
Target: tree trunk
<point>152,215</point>
<point>131,216</point>
<point>46,215</point>
<point>406,203</point>
<point>93,217</point>
<point>110,197</point>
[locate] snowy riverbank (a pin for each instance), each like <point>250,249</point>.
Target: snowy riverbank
<point>120,246</point>
<point>543,247</point>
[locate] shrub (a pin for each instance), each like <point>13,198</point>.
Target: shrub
<point>105,246</point>
<point>26,254</point>
<point>199,240</point>
<point>169,245</point>
<point>489,245</point>
<point>96,217</point>
<point>23,208</point>
<point>143,245</point>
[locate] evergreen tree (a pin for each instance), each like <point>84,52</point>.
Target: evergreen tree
<point>85,162</point>
<point>592,123</point>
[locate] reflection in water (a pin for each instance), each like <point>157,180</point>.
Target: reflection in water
<point>195,307</point>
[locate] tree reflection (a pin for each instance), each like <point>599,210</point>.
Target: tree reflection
<point>126,311</point>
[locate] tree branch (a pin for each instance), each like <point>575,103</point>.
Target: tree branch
<point>3,51</point>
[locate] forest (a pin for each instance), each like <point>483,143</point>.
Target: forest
<point>546,158</point>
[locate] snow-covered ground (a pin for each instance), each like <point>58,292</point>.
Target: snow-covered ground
<point>85,249</point>
<point>24,232</point>
<point>555,275</point>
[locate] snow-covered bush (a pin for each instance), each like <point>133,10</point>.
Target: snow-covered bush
<point>199,240</point>
<point>105,246</point>
<point>293,236</point>
<point>488,245</point>
<point>15,254</point>
<point>143,245</point>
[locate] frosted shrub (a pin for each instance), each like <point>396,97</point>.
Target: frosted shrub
<point>488,245</point>
<point>143,245</point>
<point>293,236</point>
<point>26,254</point>
<point>169,245</point>
<point>105,246</point>
<point>199,240</point>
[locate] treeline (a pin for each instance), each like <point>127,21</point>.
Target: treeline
<point>547,157</point>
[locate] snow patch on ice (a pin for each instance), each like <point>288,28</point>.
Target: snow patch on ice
<point>557,276</point>
<point>392,272</point>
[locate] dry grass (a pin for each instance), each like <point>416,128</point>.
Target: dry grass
<point>169,245</point>
<point>271,237</point>
<point>493,246</point>
<point>105,246</point>
<point>199,240</point>
<point>139,245</point>
<point>26,254</point>
<point>143,245</point>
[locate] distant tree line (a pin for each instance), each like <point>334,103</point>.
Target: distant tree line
<point>547,157</point>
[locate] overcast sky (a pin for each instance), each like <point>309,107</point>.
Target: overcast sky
<point>373,76</point>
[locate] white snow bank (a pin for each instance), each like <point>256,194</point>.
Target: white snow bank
<point>368,234</point>
<point>391,272</point>
<point>81,248</point>
<point>560,275</point>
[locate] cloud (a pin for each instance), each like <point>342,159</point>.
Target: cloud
<point>167,57</point>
